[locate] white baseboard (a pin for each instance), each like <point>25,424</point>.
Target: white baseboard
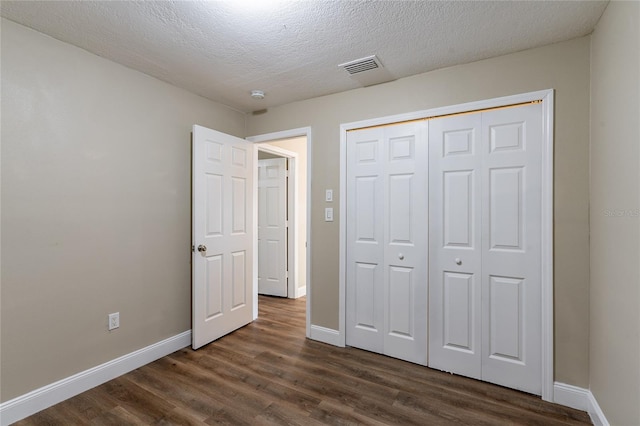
<point>301,291</point>
<point>571,396</point>
<point>580,399</point>
<point>325,335</point>
<point>595,412</point>
<point>39,399</point>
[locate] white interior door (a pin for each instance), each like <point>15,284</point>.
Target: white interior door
<point>485,247</point>
<point>272,227</point>
<point>222,259</point>
<point>387,240</point>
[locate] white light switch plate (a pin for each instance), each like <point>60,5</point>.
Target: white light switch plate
<point>328,214</point>
<point>328,195</point>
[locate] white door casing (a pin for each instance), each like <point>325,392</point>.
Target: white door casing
<point>387,241</point>
<point>485,280</point>
<point>272,227</point>
<point>222,208</point>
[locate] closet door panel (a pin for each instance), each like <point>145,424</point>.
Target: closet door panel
<point>511,252</point>
<point>406,234</point>
<point>454,244</point>
<point>365,240</point>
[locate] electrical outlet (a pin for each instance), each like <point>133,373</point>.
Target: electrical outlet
<point>114,320</point>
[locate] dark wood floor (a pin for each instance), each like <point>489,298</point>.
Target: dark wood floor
<point>268,373</point>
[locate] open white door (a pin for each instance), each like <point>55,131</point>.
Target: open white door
<point>272,227</point>
<point>222,258</point>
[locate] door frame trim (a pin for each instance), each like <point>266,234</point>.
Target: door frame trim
<point>547,99</point>
<point>292,214</point>
<point>271,137</point>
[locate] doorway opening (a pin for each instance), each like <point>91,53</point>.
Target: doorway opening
<point>284,158</point>
<point>282,218</point>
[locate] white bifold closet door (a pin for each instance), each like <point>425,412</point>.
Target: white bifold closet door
<point>387,232</point>
<point>485,246</point>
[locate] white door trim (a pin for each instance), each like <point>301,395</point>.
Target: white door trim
<point>547,98</point>
<point>292,191</point>
<point>285,134</point>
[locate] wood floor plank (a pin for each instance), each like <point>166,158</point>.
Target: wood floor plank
<point>329,412</point>
<point>184,397</point>
<point>268,373</point>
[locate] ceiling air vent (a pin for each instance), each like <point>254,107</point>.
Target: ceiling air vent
<point>361,65</point>
<point>367,71</point>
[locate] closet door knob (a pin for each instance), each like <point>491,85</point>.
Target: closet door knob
<point>400,256</point>
<point>202,248</point>
<point>458,261</point>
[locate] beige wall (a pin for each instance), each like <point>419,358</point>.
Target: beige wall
<point>615,208</point>
<point>95,208</point>
<point>562,66</point>
<point>299,146</point>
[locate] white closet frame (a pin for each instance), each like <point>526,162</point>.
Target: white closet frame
<point>547,99</point>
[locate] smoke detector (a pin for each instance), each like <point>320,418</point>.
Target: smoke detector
<point>257,94</point>
<point>367,71</point>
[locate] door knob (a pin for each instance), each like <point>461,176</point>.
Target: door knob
<point>458,261</point>
<point>400,256</point>
<point>202,248</point>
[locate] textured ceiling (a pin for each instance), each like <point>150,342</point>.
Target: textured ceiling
<point>290,49</point>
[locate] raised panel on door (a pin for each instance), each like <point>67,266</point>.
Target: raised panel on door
<point>222,209</point>
<point>458,215</point>
<point>458,312</point>
<point>366,201</point>
<point>213,184</point>
<point>365,250</point>
<point>454,244</point>
<point>511,252</point>
<point>506,319</point>
<point>238,205</point>
<point>272,228</point>
<point>213,286</point>
<point>367,308</point>
<point>238,289</point>
<point>406,233</point>
<point>506,194</point>
<point>400,198</point>
<point>400,302</point>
